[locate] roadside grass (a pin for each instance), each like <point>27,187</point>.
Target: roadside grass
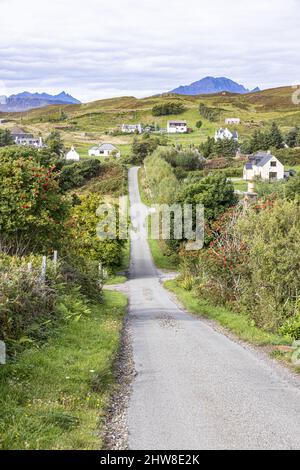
<point>240,185</point>
<point>161,256</point>
<point>55,396</point>
<point>240,325</point>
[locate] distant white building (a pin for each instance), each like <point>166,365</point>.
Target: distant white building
<point>265,166</point>
<point>177,127</point>
<point>104,150</point>
<point>224,133</point>
<point>132,128</point>
<point>73,155</point>
<point>20,137</point>
<point>236,121</point>
<point>30,142</point>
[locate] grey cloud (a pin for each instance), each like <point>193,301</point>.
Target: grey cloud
<point>130,53</point>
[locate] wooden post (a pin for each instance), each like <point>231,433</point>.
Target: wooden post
<point>2,353</point>
<point>100,270</point>
<point>44,268</point>
<point>100,275</point>
<point>55,258</point>
<point>29,267</point>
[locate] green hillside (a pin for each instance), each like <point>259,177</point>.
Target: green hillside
<point>89,123</point>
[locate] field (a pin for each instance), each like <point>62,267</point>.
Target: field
<point>91,123</point>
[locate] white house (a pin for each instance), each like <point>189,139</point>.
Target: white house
<point>224,133</point>
<point>73,155</point>
<point>132,128</point>
<point>236,121</point>
<point>177,127</point>
<point>22,138</point>
<point>104,150</point>
<point>265,166</point>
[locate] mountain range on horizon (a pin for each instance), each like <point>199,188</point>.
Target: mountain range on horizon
<point>208,85</point>
<point>211,85</point>
<point>26,100</point>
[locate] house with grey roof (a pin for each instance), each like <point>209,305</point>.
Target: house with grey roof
<point>265,166</point>
<point>132,128</point>
<point>177,127</point>
<point>21,137</point>
<point>104,150</point>
<point>224,133</point>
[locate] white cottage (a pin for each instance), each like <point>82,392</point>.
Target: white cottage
<point>132,128</point>
<point>177,127</point>
<point>73,155</point>
<point>235,121</point>
<point>104,150</point>
<point>265,166</point>
<point>225,133</point>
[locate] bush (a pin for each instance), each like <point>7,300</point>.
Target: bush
<point>211,114</point>
<point>161,179</point>
<point>166,109</point>
<point>26,303</point>
<point>215,192</point>
<point>32,208</point>
<point>185,159</point>
<point>74,175</point>
<point>253,263</point>
<point>112,180</point>
<point>289,157</point>
<point>82,236</point>
<point>5,137</point>
<point>142,148</point>
<point>291,327</point>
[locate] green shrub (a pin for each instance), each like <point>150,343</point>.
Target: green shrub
<point>74,175</point>
<point>168,108</point>
<point>253,263</point>
<point>291,327</point>
<point>82,238</point>
<point>161,179</point>
<point>26,302</point>
<point>32,208</point>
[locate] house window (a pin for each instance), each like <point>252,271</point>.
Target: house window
<point>273,164</point>
<point>273,175</point>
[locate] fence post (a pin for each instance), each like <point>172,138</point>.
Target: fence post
<point>55,258</point>
<point>29,267</point>
<point>44,268</point>
<point>100,267</point>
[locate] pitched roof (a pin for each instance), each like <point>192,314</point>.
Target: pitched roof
<point>17,130</point>
<point>177,122</point>
<point>260,158</point>
<point>264,160</point>
<point>107,147</point>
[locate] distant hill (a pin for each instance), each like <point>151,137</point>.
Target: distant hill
<point>210,85</point>
<point>25,101</point>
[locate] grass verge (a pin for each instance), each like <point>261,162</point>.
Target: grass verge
<point>161,256</point>
<point>55,396</point>
<point>238,324</point>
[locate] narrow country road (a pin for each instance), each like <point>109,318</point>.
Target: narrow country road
<point>195,388</point>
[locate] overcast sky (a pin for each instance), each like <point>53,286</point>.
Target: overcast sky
<point>96,49</point>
